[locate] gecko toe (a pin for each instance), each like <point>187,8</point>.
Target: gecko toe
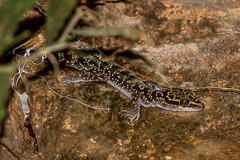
<point>133,114</point>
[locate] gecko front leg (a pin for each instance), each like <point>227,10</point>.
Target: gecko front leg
<point>134,114</point>
<point>153,85</point>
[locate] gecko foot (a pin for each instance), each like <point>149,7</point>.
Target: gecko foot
<point>134,114</point>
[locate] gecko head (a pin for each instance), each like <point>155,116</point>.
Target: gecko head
<point>175,99</point>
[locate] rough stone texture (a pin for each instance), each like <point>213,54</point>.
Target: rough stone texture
<point>195,45</point>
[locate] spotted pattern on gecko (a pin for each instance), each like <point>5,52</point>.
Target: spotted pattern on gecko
<point>146,94</point>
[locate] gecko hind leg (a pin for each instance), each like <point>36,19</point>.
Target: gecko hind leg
<point>72,78</point>
<point>96,55</point>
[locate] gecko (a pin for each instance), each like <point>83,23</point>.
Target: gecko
<point>146,94</point>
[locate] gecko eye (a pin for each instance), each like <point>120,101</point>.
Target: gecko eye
<point>184,101</point>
